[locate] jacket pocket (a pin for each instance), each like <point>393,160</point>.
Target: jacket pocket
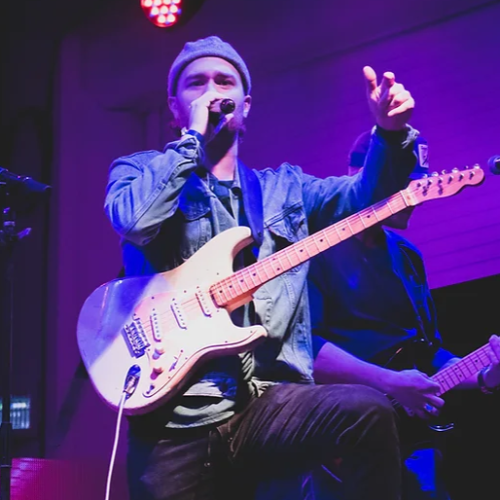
<point>287,229</point>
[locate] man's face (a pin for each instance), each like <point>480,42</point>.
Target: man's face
<point>210,74</point>
<point>399,220</point>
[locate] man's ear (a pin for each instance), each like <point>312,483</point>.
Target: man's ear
<point>173,104</point>
<point>247,104</point>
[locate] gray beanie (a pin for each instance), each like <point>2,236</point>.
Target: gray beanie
<point>211,46</point>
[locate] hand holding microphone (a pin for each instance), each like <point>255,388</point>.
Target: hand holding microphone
<point>227,106</point>
<point>210,103</point>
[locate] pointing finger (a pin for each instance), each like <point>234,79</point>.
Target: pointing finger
<point>370,78</point>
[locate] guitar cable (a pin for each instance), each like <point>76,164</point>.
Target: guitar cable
<point>131,382</point>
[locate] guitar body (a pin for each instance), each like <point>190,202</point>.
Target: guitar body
<point>164,325</point>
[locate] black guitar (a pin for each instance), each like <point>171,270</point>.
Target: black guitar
<point>418,355</point>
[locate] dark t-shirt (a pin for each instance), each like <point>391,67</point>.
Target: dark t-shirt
<point>358,299</point>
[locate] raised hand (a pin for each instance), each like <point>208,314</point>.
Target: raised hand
<point>200,109</point>
<point>391,104</point>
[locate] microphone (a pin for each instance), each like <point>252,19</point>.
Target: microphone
<point>26,184</point>
<point>219,118</point>
<point>23,192</point>
<point>494,164</point>
<point>227,106</point>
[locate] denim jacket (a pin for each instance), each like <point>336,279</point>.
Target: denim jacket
<point>160,205</point>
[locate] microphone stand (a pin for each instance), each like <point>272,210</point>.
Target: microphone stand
<point>8,239</point>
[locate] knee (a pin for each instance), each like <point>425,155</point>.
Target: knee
<point>370,409</point>
<point>362,400</point>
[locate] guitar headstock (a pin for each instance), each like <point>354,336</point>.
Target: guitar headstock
<point>440,185</point>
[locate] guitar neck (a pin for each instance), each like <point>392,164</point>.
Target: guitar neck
<point>238,288</point>
<point>468,366</point>
<point>247,280</point>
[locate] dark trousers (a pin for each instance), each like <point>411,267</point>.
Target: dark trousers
<point>288,430</point>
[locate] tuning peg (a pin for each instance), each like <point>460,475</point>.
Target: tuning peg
<point>454,170</point>
<point>434,174</point>
<point>477,166</point>
<point>444,172</point>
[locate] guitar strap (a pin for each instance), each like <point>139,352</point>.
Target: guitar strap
<point>252,216</point>
<point>253,206</point>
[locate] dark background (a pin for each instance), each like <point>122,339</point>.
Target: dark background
<point>468,314</point>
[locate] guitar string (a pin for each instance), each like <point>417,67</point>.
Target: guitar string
<point>467,366</point>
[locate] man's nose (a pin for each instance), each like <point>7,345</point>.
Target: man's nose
<point>210,86</point>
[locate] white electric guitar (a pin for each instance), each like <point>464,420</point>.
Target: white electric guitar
<point>154,331</point>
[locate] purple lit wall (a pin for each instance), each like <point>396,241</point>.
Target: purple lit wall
<point>309,105</point>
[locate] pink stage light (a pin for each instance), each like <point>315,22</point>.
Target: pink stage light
<point>162,13</point>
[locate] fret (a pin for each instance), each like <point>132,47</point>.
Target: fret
<point>261,266</point>
<point>444,376</point>
<point>218,295</point>
<point>296,252</point>
<point>458,373</point>
<point>374,212</point>
<point>348,225</point>
<point>304,249</point>
<point>235,284</point>
<point>240,276</point>
<point>390,208</point>
<point>327,234</point>
<point>320,238</point>
<point>287,255</point>
<point>443,382</point>
<point>277,267</point>
<point>339,234</point>
<point>361,218</point>
<point>251,272</point>
<point>334,234</point>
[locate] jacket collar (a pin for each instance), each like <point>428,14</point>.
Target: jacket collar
<point>194,200</point>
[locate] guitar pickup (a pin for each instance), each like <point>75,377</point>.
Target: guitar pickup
<point>178,314</point>
<point>205,304</point>
<point>155,325</point>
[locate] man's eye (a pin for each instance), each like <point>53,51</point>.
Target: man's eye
<point>195,83</point>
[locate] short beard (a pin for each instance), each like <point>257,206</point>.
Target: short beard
<point>213,122</point>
